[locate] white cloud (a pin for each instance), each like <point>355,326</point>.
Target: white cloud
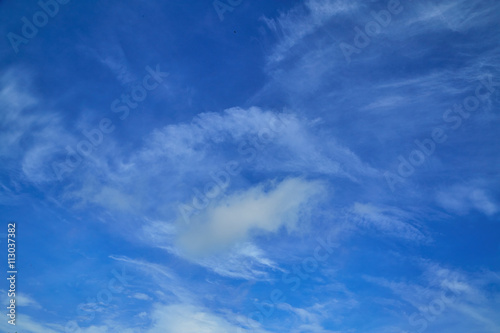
<point>309,319</point>
<point>26,300</point>
<point>26,324</point>
<point>21,300</point>
<point>456,15</point>
<point>29,139</point>
<point>257,209</point>
<point>192,141</point>
<point>182,156</point>
<point>173,318</point>
<point>391,221</point>
<point>466,302</point>
<point>163,279</point>
<point>192,319</point>
<point>243,261</point>
<point>302,20</point>
<point>141,296</point>
<point>386,102</point>
<point>462,198</point>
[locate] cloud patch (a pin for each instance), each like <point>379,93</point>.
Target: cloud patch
<point>461,199</point>
<point>390,221</point>
<point>265,208</point>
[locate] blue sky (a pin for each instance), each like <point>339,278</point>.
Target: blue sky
<point>237,166</point>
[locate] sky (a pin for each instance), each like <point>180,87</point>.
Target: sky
<point>236,166</point>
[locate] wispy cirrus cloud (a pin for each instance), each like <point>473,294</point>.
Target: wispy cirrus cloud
<point>462,198</point>
<point>454,15</point>
<point>183,156</point>
<point>188,318</point>
<point>290,27</point>
<point>30,136</point>
<point>388,220</point>
<point>443,298</point>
